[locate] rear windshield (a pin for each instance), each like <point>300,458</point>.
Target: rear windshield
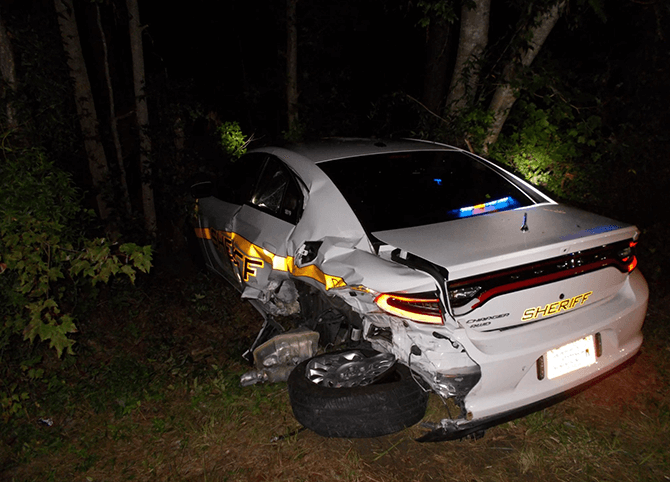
<point>392,191</point>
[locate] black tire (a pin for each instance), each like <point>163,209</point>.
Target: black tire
<point>359,412</point>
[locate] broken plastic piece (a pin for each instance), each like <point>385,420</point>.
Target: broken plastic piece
<point>46,421</point>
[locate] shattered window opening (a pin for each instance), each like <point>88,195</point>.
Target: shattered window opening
<point>277,192</point>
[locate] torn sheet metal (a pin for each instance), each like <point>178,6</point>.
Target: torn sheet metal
<point>432,352</point>
<point>363,268</point>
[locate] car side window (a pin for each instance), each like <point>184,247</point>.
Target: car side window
<point>277,192</point>
<point>236,180</point>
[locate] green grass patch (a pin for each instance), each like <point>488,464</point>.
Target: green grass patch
<point>153,395</point>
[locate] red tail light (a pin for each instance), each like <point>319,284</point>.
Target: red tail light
<point>628,256</point>
<point>422,307</point>
<point>482,288</point>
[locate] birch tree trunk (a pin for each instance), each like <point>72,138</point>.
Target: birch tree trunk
<point>473,38</point>
<point>8,70</point>
<point>292,66</point>
<point>505,95</point>
<point>142,113</point>
<point>112,116</point>
<point>83,98</point>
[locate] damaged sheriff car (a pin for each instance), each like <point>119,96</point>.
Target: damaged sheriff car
<point>414,267</point>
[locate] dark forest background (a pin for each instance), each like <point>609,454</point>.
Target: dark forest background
<point>364,69</point>
<point>94,178</point>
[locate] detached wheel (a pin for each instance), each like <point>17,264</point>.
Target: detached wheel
<point>386,400</point>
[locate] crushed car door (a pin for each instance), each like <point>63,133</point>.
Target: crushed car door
<point>217,209</point>
<point>261,228</point>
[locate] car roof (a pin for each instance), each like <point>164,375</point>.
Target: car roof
<point>332,148</point>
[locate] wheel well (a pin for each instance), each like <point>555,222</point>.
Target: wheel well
<point>330,316</point>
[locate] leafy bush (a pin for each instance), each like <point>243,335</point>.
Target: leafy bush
<point>44,254</point>
<point>552,147</point>
<point>232,139</point>
<point>472,126</point>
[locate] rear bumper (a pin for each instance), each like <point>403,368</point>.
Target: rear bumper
<point>510,384</point>
<point>448,429</point>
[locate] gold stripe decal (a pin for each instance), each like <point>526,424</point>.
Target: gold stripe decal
<point>203,233</point>
<point>315,273</point>
<point>238,247</point>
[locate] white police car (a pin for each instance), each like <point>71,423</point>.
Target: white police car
<point>425,268</point>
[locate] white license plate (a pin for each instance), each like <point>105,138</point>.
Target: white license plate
<point>571,357</point>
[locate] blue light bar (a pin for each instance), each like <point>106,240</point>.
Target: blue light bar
<point>502,204</point>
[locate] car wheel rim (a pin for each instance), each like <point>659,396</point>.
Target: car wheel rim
<point>348,369</point>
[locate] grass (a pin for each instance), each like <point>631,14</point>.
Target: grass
<point>154,395</point>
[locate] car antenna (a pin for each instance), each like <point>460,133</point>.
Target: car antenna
<point>524,227</point>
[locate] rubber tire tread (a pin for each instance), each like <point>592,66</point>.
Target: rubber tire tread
<point>358,412</point>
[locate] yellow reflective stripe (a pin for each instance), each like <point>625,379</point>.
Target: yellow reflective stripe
<point>285,264</point>
<point>203,233</point>
<point>279,263</point>
<point>315,273</point>
<point>250,249</point>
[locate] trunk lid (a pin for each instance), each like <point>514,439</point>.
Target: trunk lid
<point>490,242</point>
<point>526,265</point>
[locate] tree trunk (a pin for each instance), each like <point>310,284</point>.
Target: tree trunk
<point>112,116</point>
<point>473,39</point>
<point>8,70</point>
<point>292,66</point>
<point>142,113</point>
<point>83,97</point>
<point>505,95</point>
<point>437,59</point>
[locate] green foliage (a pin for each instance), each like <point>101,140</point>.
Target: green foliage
<point>232,139</point>
<point>445,10</point>
<point>553,147</point>
<point>473,125</point>
<point>44,257</point>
